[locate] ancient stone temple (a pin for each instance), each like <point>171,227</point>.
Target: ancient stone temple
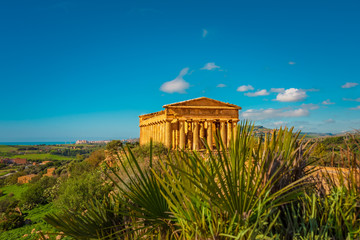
<point>183,124</point>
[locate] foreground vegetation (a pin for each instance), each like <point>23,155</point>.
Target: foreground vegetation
<point>23,206</point>
<point>267,187</point>
<point>262,188</point>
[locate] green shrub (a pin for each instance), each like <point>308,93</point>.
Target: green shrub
<point>12,179</point>
<point>76,168</point>
<point>114,146</point>
<point>11,219</point>
<point>7,204</point>
<point>37,194</point>
<point>143,151</point>
<point>77,190</point>
<point>96,158</point>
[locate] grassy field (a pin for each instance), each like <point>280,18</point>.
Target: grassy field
<point>43,156</point>
<point>17,190</point>
<point>5,148</point>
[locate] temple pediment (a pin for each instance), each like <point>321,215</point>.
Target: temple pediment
<point>202,102</point>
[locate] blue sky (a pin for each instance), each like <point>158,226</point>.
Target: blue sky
<point>86,69</point>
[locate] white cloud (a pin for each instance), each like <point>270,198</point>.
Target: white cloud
<point>329,121</point>
<point>291,95</point>
<point>353,100</point>
<point>355,108</point>
<point>204,33</point>
<point>349,85</point>
<point>310,106</point>
<point>327,102</point>
<point>245,88</point>
<point>280,123</point>
<point>257,93</point>
<point>311,90</point>
<point>210,66</point>
<point>292,63</point>
<point>221,85</point>
<point>277,90</point>
<point>272,113</point>
<point>178,85</point>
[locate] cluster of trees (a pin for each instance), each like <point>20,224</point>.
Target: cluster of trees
<point>333,151</point>
<point>70,152</point>
<point>75,183</point>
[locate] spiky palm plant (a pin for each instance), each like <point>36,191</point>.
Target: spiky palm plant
<point>234,194</point>
<point>246,184</point>
<point>102,220</point>
<point>333,210</point>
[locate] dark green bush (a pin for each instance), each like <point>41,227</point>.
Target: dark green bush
<point>10,220</point>
<point>76,191</point>
<point>36,193</point>
<point>7,204</point>
<point>96,158</point>
<point>114,146</point>
<point>158,149</point>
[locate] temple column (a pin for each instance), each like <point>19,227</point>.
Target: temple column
<point>176,135</point>
<point>158,131</point>
<point>223,132</point>
<point>155,132</point>
<point>168,134</point>
<point>234,128</point>
<point>209,134</point>
<point>147,133</point>
<point>196,135</point>
<point>174,127</point>
<point>229,133</point>
<point>202,135</point>
<point>152,131</point>
<point>141,135</point>
<point>162,132</point>
<point>182,134</point>
<point>189,134</point>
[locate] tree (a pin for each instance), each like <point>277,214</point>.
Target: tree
<point>76,191</point>
<point>114,146</point>
<point>96,158</point>
<point>36,193</point>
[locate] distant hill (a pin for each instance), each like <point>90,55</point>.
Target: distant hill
<point>262,130</point>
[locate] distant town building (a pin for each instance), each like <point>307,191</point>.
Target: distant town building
<point>50,172</point>
<point>94,142</point>
<point>45,162</point>
<point>25,179</point>
<point>6,161</point>
<point>18,161</point>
